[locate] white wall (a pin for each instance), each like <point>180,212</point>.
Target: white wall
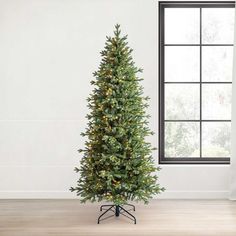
<point>48,51</point>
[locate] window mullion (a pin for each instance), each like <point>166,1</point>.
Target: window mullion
<point>200,82</point>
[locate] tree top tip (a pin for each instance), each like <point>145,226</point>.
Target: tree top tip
<point>117,26</point>
<point>117,30</point>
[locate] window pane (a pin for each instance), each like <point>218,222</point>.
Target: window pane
<point>216,101</point>
<point>182,139</point>
<point>182,63</point>
<point>217,63</point>
<point>218,25</point>
<point>182,101</point>
<point>182,25</point>
<point>216,139</point>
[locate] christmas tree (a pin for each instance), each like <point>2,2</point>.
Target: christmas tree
<point>117,164</point>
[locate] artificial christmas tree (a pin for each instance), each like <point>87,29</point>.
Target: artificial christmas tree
<point>117,165</point>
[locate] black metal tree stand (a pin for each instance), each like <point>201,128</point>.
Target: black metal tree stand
<point>117,210</point>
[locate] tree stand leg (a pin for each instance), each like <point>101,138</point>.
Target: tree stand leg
<point>117,210</point>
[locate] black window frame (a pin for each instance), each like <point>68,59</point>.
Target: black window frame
<point>183,4</point>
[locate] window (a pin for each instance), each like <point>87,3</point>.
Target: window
<point>195,78</point>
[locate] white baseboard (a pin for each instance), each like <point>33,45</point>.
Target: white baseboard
<point>37,195</point>
<point>194,195</point>
<point>68,195</point>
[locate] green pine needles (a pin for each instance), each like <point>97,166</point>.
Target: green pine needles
<point>117,164</point>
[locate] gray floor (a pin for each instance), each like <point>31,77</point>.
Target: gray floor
<point>160,217</point>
